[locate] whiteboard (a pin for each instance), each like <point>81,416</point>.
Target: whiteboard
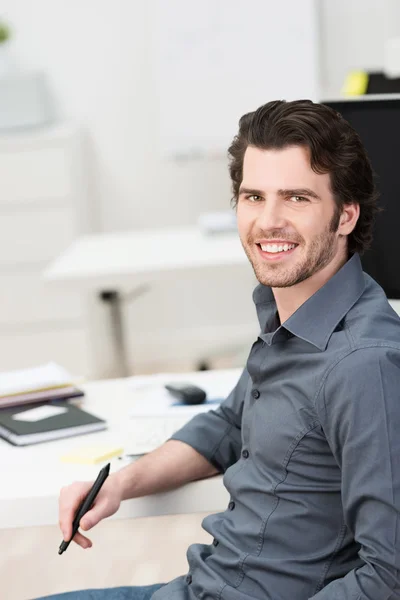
<point>215,60</point>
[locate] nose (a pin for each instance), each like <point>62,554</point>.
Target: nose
<point>271,216</point>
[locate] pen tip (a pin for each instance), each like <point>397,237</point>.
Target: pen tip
<point>60,551</point>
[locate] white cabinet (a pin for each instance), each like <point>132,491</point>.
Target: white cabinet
<point>44,206</point>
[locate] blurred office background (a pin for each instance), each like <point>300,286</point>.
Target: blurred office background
<point>106,157</point>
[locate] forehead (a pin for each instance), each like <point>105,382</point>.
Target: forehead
<point>281,169</point>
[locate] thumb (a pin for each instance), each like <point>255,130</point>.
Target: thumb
<point>91,518</point>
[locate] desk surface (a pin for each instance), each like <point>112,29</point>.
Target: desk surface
<point>33,476</point>
<point>108,259</point>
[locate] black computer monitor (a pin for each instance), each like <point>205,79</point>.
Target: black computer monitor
<point>377,121</point>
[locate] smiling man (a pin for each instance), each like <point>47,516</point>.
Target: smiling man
<point>309,439</point>
<point>291,228</point>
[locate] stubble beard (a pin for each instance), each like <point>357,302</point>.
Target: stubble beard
<point>320,252</point>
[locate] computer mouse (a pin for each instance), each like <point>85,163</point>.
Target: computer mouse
<point>186,393</point>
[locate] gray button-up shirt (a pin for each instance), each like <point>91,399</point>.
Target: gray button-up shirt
<point>309,444</point>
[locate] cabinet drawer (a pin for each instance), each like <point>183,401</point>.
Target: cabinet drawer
<point>25,298</point>
<point>37,174</point>
<point>35,236</point>
<point>24,348</point>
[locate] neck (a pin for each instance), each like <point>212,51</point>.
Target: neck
<point>289,299</point>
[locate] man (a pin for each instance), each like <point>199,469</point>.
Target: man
<point>309,440</point>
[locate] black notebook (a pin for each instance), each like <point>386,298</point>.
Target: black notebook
<point>24,425</point>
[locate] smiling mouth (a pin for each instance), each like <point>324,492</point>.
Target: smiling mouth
<point>276,252</point>
<point>277,248</point>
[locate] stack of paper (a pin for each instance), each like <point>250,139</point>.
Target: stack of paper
<point>39,384</point>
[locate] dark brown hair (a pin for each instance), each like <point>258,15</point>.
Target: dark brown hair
<point>334,146</point>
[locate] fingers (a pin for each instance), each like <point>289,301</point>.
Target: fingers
<point>79,539</point>
<point>65,525</point>
<point>70,498</point>
<point>82,541</point>
<point>69,501</point>
<point>93,516</point>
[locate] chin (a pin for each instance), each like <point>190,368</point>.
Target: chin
<point>277,276</point>
<point>276,282</point>
<point>271,279</point>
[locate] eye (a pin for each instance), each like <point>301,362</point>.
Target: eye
<point>253,198</point>
<point>299,199</point>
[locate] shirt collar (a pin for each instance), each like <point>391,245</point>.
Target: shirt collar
<point>316,319</point>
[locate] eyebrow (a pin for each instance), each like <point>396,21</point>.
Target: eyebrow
<point>283,193</point>
<point>299,192</point>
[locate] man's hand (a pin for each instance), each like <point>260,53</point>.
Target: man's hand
<point>106,504</point>
<point>166,468</point>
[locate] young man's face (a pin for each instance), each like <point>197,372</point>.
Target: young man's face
<point>287,217</point>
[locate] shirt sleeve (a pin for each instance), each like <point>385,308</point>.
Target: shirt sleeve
<point>216,434</point>
<point>360,414</point>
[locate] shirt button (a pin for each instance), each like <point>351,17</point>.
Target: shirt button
<point>245,453</point>
<point>188,579</point>
<point>215,542</point>
<point>256,394</point>
<point>231,505</point>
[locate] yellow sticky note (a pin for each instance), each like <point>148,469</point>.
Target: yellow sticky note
<point>356,83</point>
<point>91,455</point>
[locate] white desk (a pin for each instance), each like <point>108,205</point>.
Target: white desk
<point>106,263</point>
<point>31,477</point>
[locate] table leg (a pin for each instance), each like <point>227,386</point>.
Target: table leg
<point>114,301</point>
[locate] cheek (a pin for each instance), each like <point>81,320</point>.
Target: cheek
<point>244,221</point>
<point>311,224</point>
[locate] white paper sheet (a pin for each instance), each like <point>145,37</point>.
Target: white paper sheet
<point>42,377</point>
<point>39,413</point>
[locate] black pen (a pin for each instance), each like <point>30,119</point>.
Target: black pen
<point>86,505</point>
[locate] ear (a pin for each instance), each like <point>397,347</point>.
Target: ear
<point>348,218</point>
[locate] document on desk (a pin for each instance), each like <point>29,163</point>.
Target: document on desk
<point>43,377</point>
<point>151,399</point>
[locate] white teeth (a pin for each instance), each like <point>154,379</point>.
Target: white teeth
<point>275,248</point>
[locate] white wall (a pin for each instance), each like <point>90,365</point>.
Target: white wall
<point>98,55</point>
